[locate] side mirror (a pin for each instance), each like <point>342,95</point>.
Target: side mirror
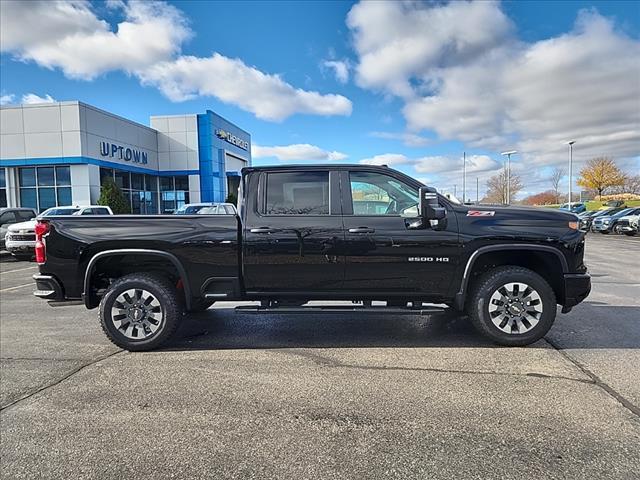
<point>428,206</point>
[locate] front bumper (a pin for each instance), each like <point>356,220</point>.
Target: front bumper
<point>577,287</point>
<point>600,227</point>
<point>17,246</point>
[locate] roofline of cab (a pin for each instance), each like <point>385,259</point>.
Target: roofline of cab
<point>340,166</point>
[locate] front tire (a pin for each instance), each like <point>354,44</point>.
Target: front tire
<point>512,306</point>
<point>140,312</point>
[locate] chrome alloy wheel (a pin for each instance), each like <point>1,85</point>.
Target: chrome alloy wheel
<point>515,308</point>
<point>137,314</point>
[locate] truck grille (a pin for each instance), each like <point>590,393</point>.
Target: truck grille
<point>22,238</point>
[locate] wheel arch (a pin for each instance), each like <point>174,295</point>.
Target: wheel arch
<point>546,261</point>
<point>160,259</point>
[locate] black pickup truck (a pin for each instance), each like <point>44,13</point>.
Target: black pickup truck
<point>366,234</point>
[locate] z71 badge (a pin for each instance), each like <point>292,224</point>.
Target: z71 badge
<point>481,213</point>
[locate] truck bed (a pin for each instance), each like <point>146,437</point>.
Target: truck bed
<point>206,246</point>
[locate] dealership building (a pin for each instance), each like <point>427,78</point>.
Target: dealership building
<point>60,153</point>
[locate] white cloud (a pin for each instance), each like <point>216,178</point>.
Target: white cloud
<point>69,36</point>
<point>297,151</point>
<point>408,138</point>
<point>387,159</point>
<point>6,98</point>
<point>340,69</point>
<point>462,73</point>
<point>147,44</point>
<point>440,164</point>
<point>232,81</point>
<point>31,98</point>
<point>396,41</point>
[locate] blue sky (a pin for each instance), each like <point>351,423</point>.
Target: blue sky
<point>420,84</point>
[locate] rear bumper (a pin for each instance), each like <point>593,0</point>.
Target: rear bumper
<point>576,288</point>
<point>48,288</point>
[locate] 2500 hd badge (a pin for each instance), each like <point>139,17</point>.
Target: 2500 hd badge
<point>311,233</point>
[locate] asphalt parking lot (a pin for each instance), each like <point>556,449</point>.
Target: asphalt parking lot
<point>248,396</point>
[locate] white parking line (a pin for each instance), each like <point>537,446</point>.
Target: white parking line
<point>19,269</point>
<point>17,287</point>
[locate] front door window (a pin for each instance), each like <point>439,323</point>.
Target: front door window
<point>377,194</point>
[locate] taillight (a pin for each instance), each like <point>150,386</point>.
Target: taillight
<point>41,252</point>
<point>41,230</point>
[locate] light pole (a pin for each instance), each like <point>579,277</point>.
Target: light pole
<point>570,169</point>
<point>508,154</point>
<point>464,176</point>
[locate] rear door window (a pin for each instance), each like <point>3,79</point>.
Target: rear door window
<point>297,193</point>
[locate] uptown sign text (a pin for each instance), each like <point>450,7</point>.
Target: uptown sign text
<point>123,153</point>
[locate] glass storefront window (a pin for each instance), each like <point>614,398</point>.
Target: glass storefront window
<point>47,197</point>
<point>45,187</point>
<point>3,188</point>
<point>182,183</point>
<point>166,183</point>
<point>28,198</point>
<point>105,173</point>
<point>122,180</point>
<point>174,193</point>
<point>64,196</point>
<point>137,181</point>
<point>63,176</point>
<point>46,177</point>
<point>27,177</point>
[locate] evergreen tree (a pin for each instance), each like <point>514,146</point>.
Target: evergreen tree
<point>232,198</point>
<point>111,196</point>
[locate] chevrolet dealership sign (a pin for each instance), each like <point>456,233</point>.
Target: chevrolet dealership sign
<point>232,139</point>
<point>127,154</point>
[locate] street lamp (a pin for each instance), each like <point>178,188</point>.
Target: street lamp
<point>508,154</point>
<point>570,169</point>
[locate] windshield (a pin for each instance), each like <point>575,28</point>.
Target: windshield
<point>59,211</point>
<point>189,209</point>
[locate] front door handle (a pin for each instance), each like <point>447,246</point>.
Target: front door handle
<point>362,230</point>
<point>261,230</point>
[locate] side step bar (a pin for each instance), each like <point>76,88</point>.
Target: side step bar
<point>341,309</point>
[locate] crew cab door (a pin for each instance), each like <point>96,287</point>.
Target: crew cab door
<point>384,252</point>
<point>293,232</point>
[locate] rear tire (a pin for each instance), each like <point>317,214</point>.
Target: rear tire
<point>140,312</point>
<point>629,234</point>
<point>512,306</point>
<point>23,257</point>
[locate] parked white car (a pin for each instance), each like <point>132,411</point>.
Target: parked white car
<point>628,225</point>
<point>219,209</point>
<point>20,239</point>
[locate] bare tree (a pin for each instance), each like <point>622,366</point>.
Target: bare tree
<point>555,178</point>
<point>497,187</point>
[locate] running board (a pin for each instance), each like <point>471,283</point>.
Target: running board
<point>341,309</point>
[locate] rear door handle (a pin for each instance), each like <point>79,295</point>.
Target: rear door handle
<point>362,230</point>
<point>261,230</point>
